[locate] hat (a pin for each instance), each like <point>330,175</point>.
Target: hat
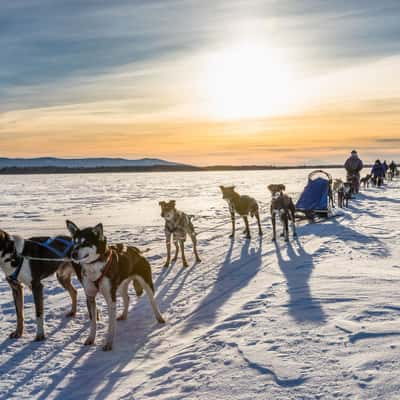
<point>354,152</point>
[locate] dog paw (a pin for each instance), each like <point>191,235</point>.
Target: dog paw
<point>161,320</point>
<point>15,335</point>
<point>89,341</point>
<point>260,233</point>
<point>107,347</point>
<point>122,317</point>
<point>198,260</point>
<point>185,264</point>
<point>39,338</point>
<point>166,265</point>
<point>232,235</point>
<point>273,239</point>
<point>70,314</point>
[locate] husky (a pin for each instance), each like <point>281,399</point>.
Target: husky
<point>336,184</point>
<point>26,262</point>
<point>242,205</point>
<point>365,181</point>
<point>282,205</point>
<point>177,225</point>
<point>344,194</point>
<point>108,270</point>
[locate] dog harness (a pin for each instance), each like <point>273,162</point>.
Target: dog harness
<point>178,227</point>
<point>107,267</point>
<point>18,259</point>
<point>48,245</point>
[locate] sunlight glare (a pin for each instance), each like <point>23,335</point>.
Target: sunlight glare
<point>247,81</point>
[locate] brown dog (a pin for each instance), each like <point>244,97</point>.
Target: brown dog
<point>283,205</point>
<point>365,181</point>
<point>244,206</point>
<point>178,225</point>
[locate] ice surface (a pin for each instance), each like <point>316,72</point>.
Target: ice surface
<point>318,318</point>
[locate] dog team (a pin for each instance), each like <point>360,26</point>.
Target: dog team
<point>110,269</point>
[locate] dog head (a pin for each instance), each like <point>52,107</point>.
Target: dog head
<point>276,189</point>
<point>90,244</point>
<point>168,209</point>
<point>228,192</point>
<point>7,247</point>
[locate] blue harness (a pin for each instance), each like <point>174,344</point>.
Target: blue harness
<point>48,245</point>
<point>18,259</point>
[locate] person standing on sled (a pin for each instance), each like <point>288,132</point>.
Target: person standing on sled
<point>353,166</point>
<point>378,173</point>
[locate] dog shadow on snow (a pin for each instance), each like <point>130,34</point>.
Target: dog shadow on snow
<point>297,268</point>
<point>233,275</point>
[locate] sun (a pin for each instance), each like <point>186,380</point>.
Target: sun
<point>247,81</point>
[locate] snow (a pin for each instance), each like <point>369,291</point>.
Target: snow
<point>317,318</point>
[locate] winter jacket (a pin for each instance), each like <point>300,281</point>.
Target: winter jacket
<point>378,171</point>
<point>353,165</point>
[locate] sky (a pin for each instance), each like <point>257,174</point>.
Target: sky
<point>202,82</point>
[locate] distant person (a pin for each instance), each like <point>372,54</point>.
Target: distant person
<point>385,168</point>
<point>377,173</point>
<point>393,168</point>
<point>353,166</point>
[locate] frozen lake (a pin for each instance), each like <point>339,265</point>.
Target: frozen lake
<point>127,203</point>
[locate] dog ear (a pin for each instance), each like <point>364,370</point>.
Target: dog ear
<point>73,229</point>
<point>270,187</point>
<point>283,187</point>
<point>161,203</point>
<point>172,202</point>
<point>98,230</point>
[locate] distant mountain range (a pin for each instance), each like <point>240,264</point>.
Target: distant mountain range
<point>52,162</point>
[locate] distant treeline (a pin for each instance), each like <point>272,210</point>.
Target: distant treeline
<point>155,168</point>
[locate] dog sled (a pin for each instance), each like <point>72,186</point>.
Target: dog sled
<point>317,198</point>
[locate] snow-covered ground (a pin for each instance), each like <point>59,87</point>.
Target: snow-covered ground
<point>317,318</point>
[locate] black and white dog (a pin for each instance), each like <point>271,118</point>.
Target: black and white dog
<point>27,263</point>
<point>109,270</point>
<point>344,194</point>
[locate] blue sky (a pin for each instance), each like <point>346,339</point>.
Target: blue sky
<point>65,53</point>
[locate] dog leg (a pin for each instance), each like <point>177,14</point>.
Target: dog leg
<point>258,223</point>
<point>232,235</point>
<point>168,242</point>
<point>18,295</point>
<point>125,299</point>
<point>37,290</point>
<point>182,245</point>
<point>273,220</point>
<point>152,300</point>
<point>91,301</point>
<point>246,222</point>
<point>109,294</point>
<point>176,252</point>
<point>293,215</point>
<point>65,282</point>
<point>194,241</point>
<point>285,226</point>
